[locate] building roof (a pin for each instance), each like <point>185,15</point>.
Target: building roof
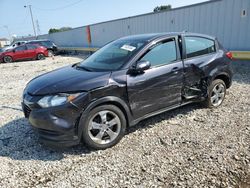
<point>4,39</point>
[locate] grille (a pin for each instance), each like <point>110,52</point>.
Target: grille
<point>26,111</point>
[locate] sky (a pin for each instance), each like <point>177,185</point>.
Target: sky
<point>16,20</point>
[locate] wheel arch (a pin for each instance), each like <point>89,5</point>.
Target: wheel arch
<point>40,53</point>
<point>225,77</point>
<point>111,100</point>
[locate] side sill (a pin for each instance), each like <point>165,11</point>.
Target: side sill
<point>134,122</point>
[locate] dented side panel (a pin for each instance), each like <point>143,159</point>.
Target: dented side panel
<point>200,71</point>
<point>156,88</point>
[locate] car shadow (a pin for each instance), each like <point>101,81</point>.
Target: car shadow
<point>18,141</point>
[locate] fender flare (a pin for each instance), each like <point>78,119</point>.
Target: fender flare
<point>225,74</point>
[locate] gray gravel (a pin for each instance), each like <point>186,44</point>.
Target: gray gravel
<point>187,147</point>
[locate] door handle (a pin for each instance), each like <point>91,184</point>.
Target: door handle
<point>175,70</point>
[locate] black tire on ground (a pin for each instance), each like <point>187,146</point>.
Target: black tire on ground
<point>7,59</point>
<point>111,135</point>
<point>40,56</point>
<point>216,94</point>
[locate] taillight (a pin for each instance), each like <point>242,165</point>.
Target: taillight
<point>229,55</point>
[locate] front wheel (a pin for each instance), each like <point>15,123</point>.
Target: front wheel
<point>7,59</point>
<point>216,94</point>
<point>104,127</point>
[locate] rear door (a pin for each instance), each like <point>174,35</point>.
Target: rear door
<point>31,51</point>
<point>199,53</point>
<point>160,86</point>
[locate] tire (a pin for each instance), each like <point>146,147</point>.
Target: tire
<point>104,127</point>
<point>40,56</point>
<point>216,94</point>
<point>7,59</point>
<point>50,53</point>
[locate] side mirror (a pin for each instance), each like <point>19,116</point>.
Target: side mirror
<point>139,67</point>
<point>142,65</point>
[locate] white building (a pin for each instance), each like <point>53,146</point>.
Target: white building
<point>4,42</point>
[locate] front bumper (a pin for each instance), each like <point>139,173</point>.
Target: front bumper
<point>56,126</point>
<point>57,139</point>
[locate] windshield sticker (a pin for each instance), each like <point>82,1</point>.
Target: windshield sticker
<point>128,47</point>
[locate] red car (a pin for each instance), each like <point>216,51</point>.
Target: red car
<point>23,52</point>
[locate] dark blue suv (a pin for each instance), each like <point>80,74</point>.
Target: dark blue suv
<point>126,81</point>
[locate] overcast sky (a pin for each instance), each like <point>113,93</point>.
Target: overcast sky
<point>72,13</point>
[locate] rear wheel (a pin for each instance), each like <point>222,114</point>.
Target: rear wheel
<point>7,59</point>
<point>104,127</point>
<point>216,94</point>
<point>40,56</point>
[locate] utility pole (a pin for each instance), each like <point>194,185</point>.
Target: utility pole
<point>38,27</point>
<point>31,18</point>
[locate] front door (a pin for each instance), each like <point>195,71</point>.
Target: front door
<point>161,85</point>
<point>19,52</point>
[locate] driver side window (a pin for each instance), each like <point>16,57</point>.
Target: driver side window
<point>161,53</point>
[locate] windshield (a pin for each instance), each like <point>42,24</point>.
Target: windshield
<point>112,56</point>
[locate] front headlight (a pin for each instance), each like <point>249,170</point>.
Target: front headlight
<point>56,100</point>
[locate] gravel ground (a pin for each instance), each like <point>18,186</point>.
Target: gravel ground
<point>187,147</point>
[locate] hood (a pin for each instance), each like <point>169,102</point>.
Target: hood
<point>67,79</point>
<point>9,48</point>
<point>4,50</point>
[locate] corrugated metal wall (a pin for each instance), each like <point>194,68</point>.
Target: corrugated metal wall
<point>220,18</point>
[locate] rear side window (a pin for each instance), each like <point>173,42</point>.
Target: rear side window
<point>197,46</point>
<point>162,53</point>
<point>46,43</point>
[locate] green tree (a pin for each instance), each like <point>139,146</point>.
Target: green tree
<point>54,30</point>
<point>65,28</point>
<point>162,8</point>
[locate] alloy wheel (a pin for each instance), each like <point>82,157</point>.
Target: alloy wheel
<point>7,59</point>
<point>218,94</point>
<point>104,127</point>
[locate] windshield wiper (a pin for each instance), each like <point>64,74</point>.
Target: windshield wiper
<point>83,68</point>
